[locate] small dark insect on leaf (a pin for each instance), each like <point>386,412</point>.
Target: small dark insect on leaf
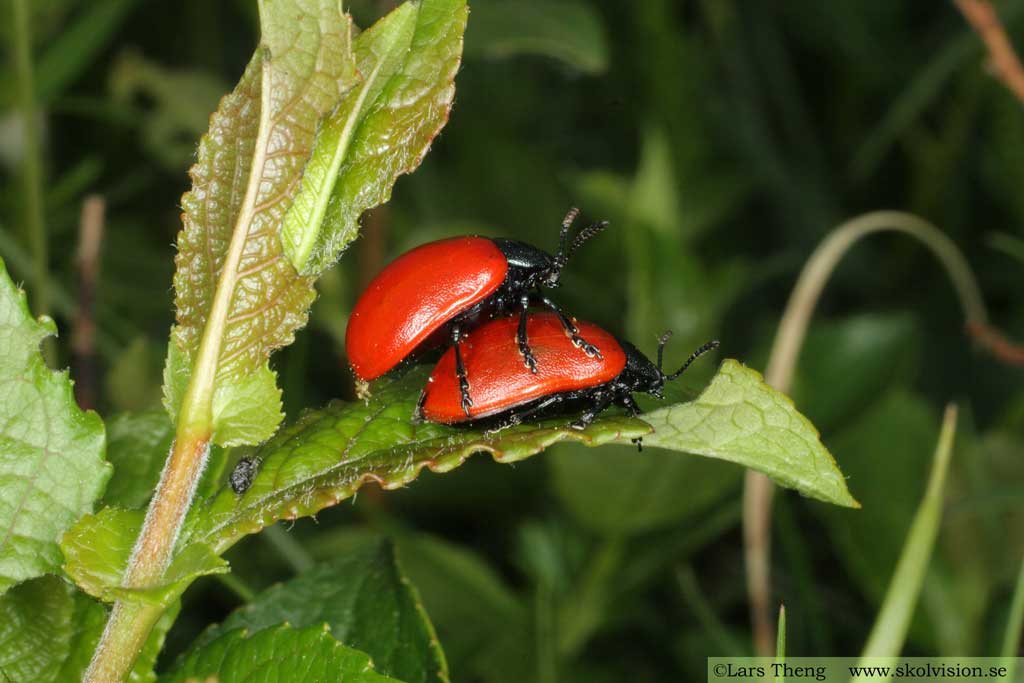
<point>243,474</point>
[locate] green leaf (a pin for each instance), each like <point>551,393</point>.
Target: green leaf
<point>49,630</point>
<point>486,631</point>
<point>741,419</point>
<point>567,31</point>
<point>368,605</point>
<point>382,128</point>
<point>233,287</point>
<point>328,454</point>
<point>281,655</point>
<point>97,549</point>
<point>36,624</point>
<point>893,620</point>
<point>617,491</point>
<point>51,452</point>
<point>138,444</point>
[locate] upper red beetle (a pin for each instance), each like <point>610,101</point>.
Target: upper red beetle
<point>437,291</point>
<point>509,393</point>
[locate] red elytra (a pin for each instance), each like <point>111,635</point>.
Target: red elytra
<point>415,295</point>
<point>499,379</point>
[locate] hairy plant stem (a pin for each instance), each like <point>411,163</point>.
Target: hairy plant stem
<point>129,624</point>
<point>34,226</point>
<point>758,490</point>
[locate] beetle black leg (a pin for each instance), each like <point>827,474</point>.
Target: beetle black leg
<point>460,370</point>
<point>571,329</point>
<point>630,404</point>
<point>516,418</point>
<point>524,347</point>
<point>599,405</point>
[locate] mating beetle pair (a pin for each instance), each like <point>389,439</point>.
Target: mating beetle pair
<point>509,369</point>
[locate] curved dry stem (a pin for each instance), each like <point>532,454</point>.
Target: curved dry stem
<point>758,490</point>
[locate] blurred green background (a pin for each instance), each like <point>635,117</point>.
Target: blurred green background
<point>723,140</point>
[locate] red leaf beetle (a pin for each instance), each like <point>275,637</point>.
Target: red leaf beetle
<point>436,292</point>
<point>508,393</point>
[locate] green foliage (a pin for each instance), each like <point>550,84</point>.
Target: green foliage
<point>703,133</point>
<point>97,548</point>
<point>277,655</point>
<point>51,452</point>
<point>48,631</point>
<point>617,491</point>
<point>741,419</point>
<point>381,128</point>
<point>328,454</point>
<point>893,621</point>
<point>137,446</point>
<point>368,604</point>
<point>242,183</point>
<point>571,32</point>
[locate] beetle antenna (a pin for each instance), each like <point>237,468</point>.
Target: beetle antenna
<point>584,235</point>
<point>562,257</point>
<point>713,344</point>
<point>662,340</point>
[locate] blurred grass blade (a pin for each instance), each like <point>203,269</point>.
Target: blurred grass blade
<point>714,628</point>
<point>78,45</point>
<point>1014,627</point>
<point>570,32</point>
<point>1008,244</point>
<point>780,643</point>
<point>893,620</point>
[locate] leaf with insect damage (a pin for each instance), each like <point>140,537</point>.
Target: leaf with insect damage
<point>235,291</point>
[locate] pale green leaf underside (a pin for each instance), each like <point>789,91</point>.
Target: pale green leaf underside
<point>96,552</point>
<point>382,128</point>
<point>278,655</point>
<point>368,604</point>
<point>51,452</point>
<point>248,169</point>
<point>741,419</point>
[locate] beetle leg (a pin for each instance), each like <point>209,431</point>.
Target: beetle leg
<point>571,329</point>
<point>601,402</point>
<point>518,418</point>
<point>460,371</point>
<point>524,347</point>
<point>630,404</point>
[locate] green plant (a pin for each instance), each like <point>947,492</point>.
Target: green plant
<point>293,158</point>
<point>721,139</point>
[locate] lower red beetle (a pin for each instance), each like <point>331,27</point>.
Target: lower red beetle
<point>507,392</point>
<point>436,292</point>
